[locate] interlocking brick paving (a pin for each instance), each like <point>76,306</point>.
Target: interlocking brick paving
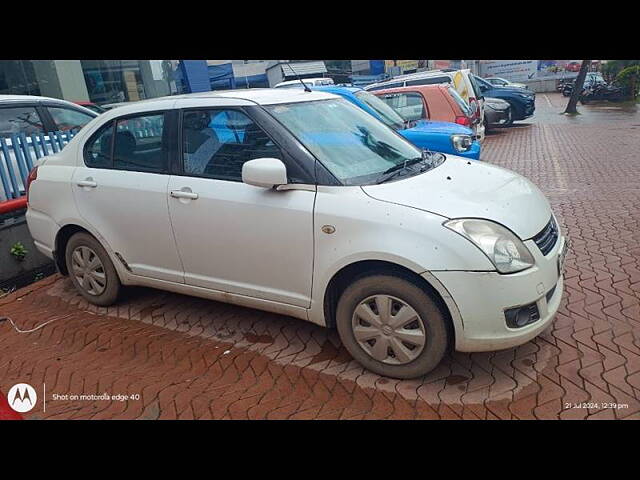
<point>190,358</point>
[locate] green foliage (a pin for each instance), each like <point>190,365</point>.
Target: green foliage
<point>612,68</point>
<point>18,251</point>
<point>629,79</point>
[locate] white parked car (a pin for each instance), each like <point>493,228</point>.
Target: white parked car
<point>303,204</point>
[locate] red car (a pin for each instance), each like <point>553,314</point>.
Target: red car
<point>573,67</point>
<point>429,102</point>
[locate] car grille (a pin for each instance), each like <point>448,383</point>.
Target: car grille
<point>547,238</point>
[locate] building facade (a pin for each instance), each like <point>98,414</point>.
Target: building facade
<point>98,81</point>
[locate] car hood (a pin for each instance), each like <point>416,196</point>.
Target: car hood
<point>511,90</point>
<point>447,128</point>
<point>459,189</point>
<point>496,101</point>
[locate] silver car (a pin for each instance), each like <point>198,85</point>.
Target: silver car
<point>497,113</point>
<point>501,82</point>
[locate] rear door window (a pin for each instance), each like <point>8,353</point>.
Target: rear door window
<point>20,120</point>
<point>97,151</point>
<point>138,144</point>
<point>409,105</point>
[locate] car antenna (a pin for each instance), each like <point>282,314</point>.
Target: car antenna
<point>306,88</point>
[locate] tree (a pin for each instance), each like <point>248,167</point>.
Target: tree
<point>629,79</point>
<point>577,87</point>
<point>613,67</point>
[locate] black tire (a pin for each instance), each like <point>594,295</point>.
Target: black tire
<point>112,285</point>
<point>433,320</point>
<point>512,110</point>
<point>487,129</point>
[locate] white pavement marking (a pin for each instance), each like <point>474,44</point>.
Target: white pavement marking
<point>548,100</point>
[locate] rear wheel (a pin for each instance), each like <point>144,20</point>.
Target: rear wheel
<point>91,270</point>
<point>392,326</point>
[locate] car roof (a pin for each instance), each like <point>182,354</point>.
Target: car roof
<point>419,75</point>
<point>32,99</point>
<point>433,86</point>
<point>21,99</point>
<point>260,96</point>
<point>256,96</point>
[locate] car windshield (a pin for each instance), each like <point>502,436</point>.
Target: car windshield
<point>387,114</point>
<point>353,145</point>
<point>482,82</point>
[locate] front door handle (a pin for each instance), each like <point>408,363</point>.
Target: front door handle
<point>87,183</point>
<point>183,194</point>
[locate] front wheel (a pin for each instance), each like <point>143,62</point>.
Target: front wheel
<point>509,121</point>
<point>392,326</point>
<point>91,270</point>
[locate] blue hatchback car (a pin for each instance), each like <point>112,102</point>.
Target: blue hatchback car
<point>442,137</point>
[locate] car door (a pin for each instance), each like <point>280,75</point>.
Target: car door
<point>121,190</point>
<point>234,237</point>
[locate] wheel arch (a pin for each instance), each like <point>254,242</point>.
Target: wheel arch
<point>62,238</point>
<point>352,271</point>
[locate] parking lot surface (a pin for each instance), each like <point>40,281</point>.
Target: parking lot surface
<point>162,355</point>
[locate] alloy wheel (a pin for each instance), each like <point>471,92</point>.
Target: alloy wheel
<point>388,329</point>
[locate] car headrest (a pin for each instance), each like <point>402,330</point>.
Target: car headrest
<point>125,143</point>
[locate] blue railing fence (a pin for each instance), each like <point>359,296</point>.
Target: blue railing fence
<point>20,152</point>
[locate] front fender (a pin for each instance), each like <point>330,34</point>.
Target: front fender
<point>370,229</point>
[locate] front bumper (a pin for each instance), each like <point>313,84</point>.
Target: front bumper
<point>498,118</point>
<point>527,110</point>
<point>481,299</point>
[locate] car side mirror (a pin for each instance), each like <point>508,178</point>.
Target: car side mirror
<point>264,172</point>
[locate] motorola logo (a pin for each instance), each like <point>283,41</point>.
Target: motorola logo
<point>22,397</point>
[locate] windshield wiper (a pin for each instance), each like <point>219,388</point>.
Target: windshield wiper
<point>396,169</point>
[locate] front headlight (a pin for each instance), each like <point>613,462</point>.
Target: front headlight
<point>505,250</point>
<point>461,143</point>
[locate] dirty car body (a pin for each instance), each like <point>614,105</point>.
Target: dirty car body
<point>303,204</point>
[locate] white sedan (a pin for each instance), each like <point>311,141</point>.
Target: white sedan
<point>303,204</point>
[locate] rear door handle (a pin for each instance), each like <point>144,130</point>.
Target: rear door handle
<point>183,194</point>
<point>87,183</point>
